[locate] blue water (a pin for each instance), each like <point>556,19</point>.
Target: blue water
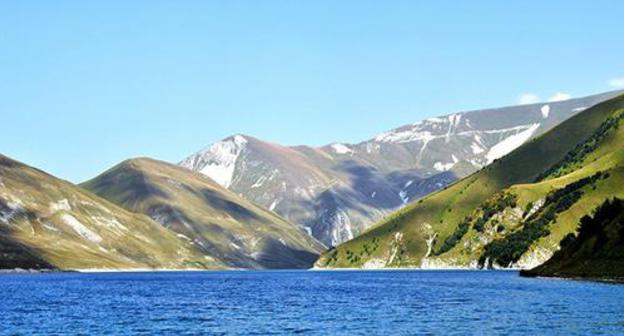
<point>364,303</point>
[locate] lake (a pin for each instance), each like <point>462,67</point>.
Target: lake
<point>307,302</point>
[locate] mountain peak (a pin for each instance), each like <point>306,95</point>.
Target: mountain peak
<point>219,159</point>
<point>221,224</point>
<point>335,191</point>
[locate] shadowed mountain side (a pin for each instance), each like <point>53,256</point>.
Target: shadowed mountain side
<point>596,251</point>
<point>292,181</point>
<point>49,223</point>
<point>213,219</point>
<point>14,254</point>
<point>363,202</point>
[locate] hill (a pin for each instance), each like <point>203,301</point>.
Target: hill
<point>216,221</point>
<point>338,190</point>
<point>512,213</point>
<point>46,222</point>
<point>596,251</point>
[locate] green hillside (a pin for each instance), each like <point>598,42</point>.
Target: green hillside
<point>596,251</point>
<point>216,221</point>
<point>46,222</point>
<point>512,213</point>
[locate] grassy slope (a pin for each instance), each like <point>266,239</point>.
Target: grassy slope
<point>219,222</point>
<point>49,223</point>
<point>401,239</point>
<point>595,252</point>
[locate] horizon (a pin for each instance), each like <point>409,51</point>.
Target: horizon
<point>155,80</point>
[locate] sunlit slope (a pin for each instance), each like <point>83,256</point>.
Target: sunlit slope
<point>594,251</point>
<point>212,218</point>
<point>465,224</point>
<point>49,223</point>
<point>339,190</point>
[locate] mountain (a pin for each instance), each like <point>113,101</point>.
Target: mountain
<point>216,221</point>
<point>596,251</point>
<point>512,213</point>
<point>337,191</point>
<point>49,223</point>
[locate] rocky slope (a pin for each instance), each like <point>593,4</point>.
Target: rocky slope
<point>596,251</point>
<point>512,213</point>
<point>214,220</point>
<point>337,191</point>
<point>49,223</point>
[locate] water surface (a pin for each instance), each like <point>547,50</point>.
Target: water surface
<point>288,302</point>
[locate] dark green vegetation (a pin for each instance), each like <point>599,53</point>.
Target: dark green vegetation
<point>508,250</point>
<point>454,238</point>
<point>478,219</point>
<point>595,252</point>
<point>490,208</point>
<point>500,215</point>
<point>338,191</point>
<point>576,156</point>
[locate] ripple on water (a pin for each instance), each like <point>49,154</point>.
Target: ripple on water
<point>354,303</point>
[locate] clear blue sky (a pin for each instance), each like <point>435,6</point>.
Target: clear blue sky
<point>86,84</point>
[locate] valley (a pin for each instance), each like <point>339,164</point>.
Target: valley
<point>337,191</point>
<point>517,183</point>
<point>511,214</point>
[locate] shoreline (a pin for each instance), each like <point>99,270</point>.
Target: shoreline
<point>469,269</point>
<point>572,278</point>
<point>170,270</point>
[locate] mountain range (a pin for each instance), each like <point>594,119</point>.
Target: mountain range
<point>151,215</point>
<point>46,222</point>
<point>496,188</point>
<point>512,213</point>
<point>337,191</point>
<point>219,223</point>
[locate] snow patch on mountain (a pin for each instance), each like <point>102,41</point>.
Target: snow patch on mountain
<point>403,196</point>
<point>341,229</point>
<point>424,132</point>
<point>371,147</point>
<point>259,182</point>
<point>476,148</point>
<point>433,120</point>
<point>274,204</point>
<point>439,166</point>
<point>405,136</point>
<point>545,111</point>
<point>264,178</point>
<point>218,161</point>
<point>453,124</point>
<point>341,149</point>
<point>510,143</point>
<point>421,131</point>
